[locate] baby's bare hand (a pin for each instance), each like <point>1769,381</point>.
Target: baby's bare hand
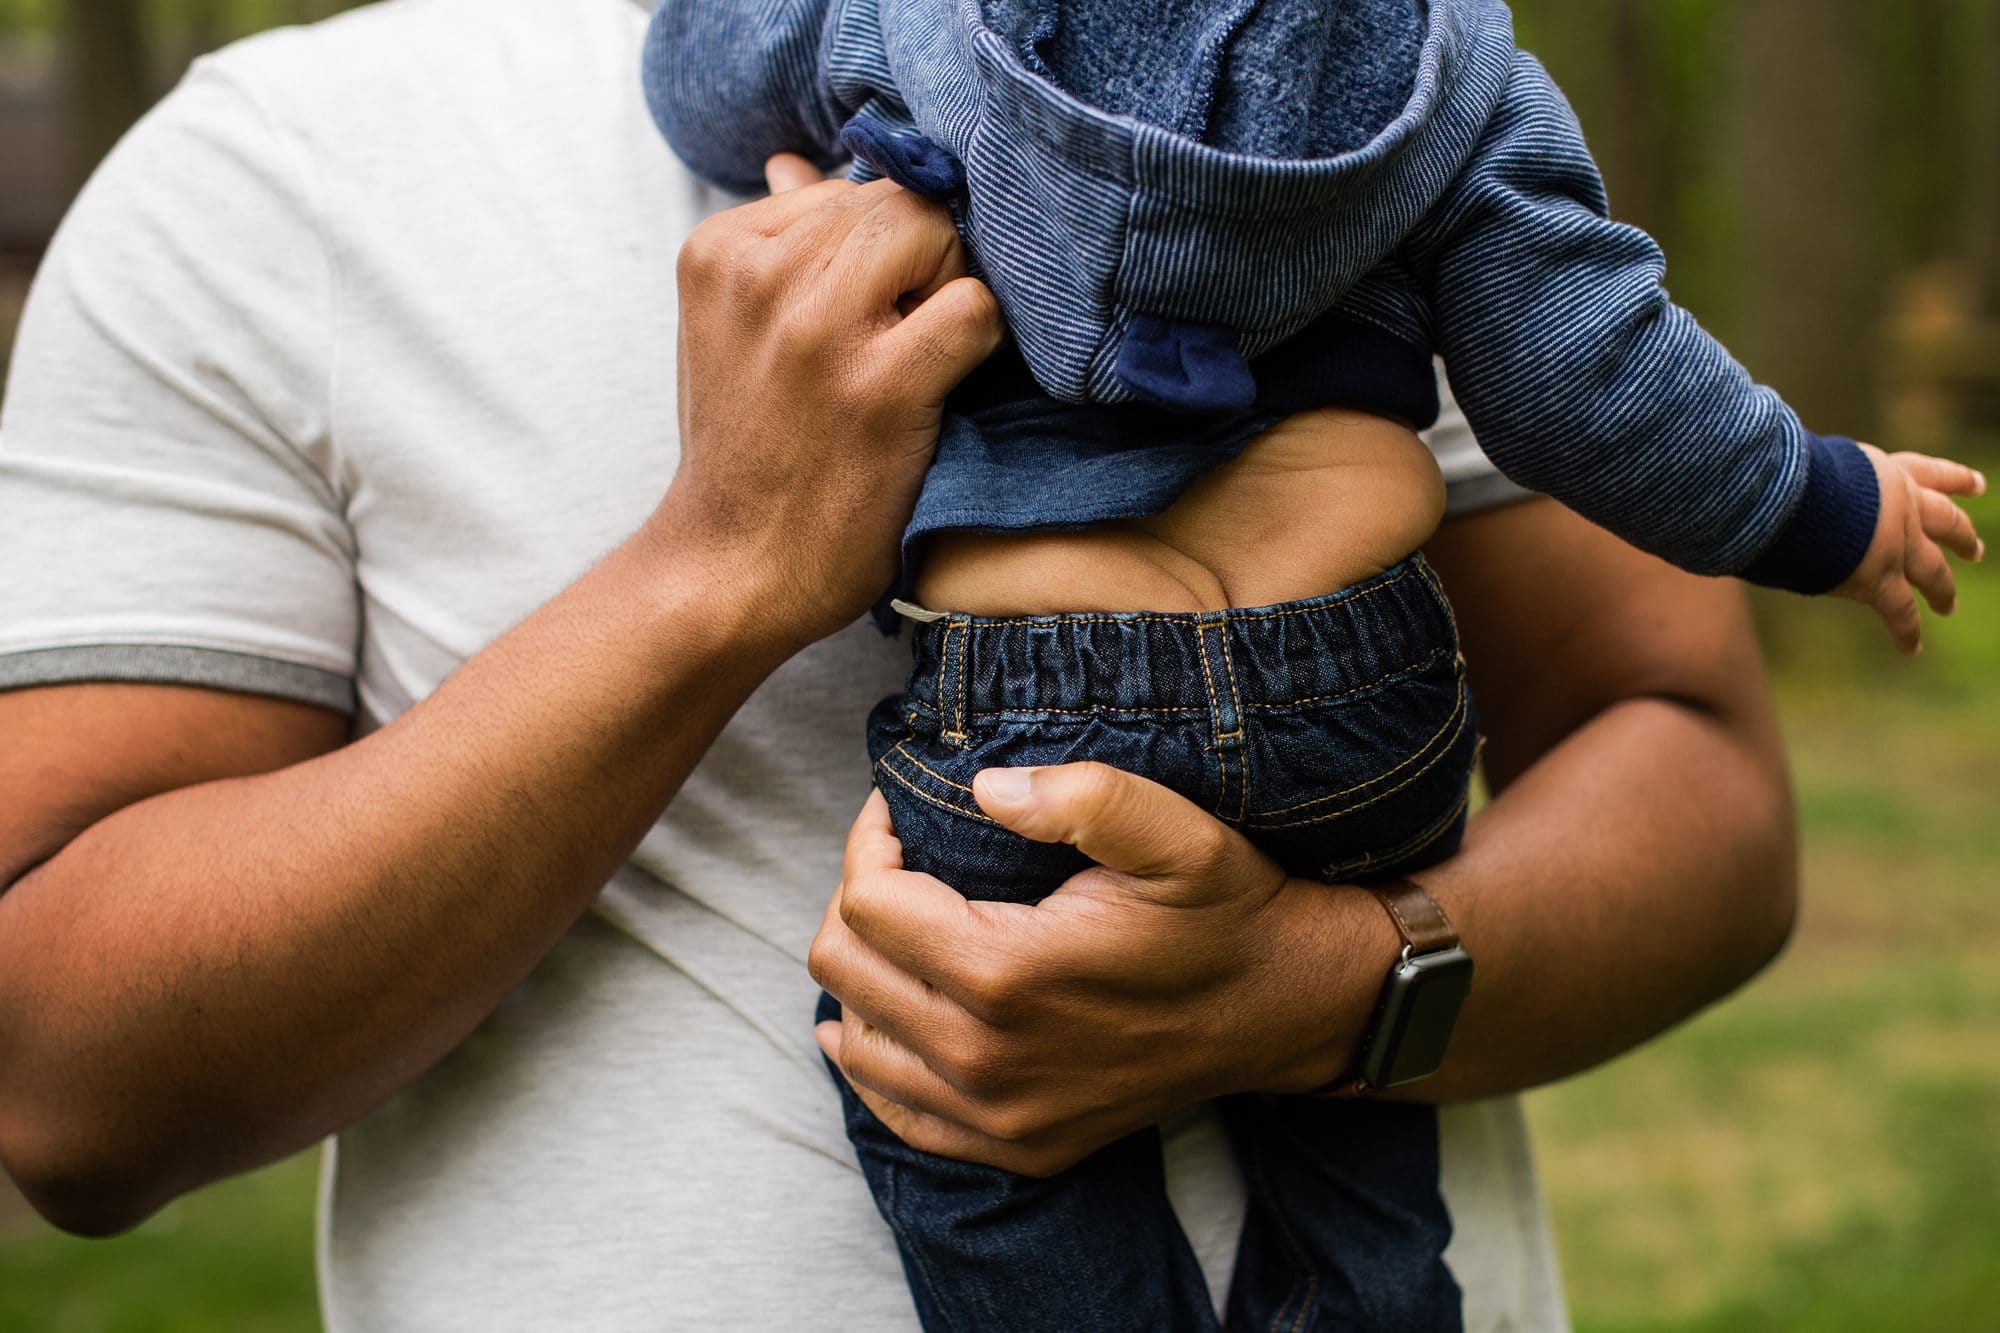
<point>1916,524</point>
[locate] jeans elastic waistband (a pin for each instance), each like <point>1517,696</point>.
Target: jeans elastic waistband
<point>969,667</point>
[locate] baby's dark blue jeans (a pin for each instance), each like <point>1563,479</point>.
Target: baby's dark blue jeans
<point>1337,734</point>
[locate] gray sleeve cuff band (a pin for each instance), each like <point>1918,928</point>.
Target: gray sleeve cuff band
<point>159,665</point>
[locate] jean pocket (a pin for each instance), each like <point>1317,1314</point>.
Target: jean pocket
<point>932,774</point>
<point>1367,784</point>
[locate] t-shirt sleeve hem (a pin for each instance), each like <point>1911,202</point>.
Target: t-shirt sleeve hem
<point>167,664</point>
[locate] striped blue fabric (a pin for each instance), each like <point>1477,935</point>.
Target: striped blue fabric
<point>1450,205</point>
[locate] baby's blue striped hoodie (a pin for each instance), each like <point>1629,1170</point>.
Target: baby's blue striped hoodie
<point>1201,215</point>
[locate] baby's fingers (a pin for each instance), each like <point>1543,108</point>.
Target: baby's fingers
<point>1897,606</point>
<point>1931,575</point>
<point>1945,522</point>
<point>1942,474</point>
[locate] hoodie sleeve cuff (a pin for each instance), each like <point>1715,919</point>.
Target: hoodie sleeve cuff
<point>1828,533</point>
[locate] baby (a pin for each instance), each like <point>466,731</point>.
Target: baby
<point>1175,526</point>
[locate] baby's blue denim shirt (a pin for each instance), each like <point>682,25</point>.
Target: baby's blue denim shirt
<point>1230,209</point>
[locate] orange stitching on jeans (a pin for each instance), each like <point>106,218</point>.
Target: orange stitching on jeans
<point>1336,873</point>
<point>1455,720</point>
<point>1236,706</point>
<point>963,636</point>
<point>944,657</point>
<point>902,749</point>
<point>1083,712</point>
<point>1381,680</point>
<point>1436,759</point>
<point>1208,677</point>
<point>921,794</point>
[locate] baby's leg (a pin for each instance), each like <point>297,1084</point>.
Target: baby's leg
<point>1096,1247</point>
<point>1363,779</point>
<point>1346,1228</point>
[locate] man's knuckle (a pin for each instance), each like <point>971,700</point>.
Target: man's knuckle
<point>1012,1122</point>
<point>857,896</point>
<point>820,960</point>
<point>704,254</point>
<point>1211,845</point>
<point>796,329</point>
<point>994,989</point>
<point>975,1067</point>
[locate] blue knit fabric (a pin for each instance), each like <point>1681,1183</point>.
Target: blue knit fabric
<point>1218,173</point>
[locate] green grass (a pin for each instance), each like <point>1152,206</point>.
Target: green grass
<point>1820,1154</point>
<point>236,1258</point>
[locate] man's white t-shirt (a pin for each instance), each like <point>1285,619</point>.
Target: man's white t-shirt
<point>357,350</point>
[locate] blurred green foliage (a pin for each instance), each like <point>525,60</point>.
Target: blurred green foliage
<point>237,1258</point>
<point>224,16</point>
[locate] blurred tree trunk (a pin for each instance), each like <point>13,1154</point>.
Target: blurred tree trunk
<point>1981,179</point>
<point>1635,156</point>
<point>1806,153</point>
<point>110,74</point>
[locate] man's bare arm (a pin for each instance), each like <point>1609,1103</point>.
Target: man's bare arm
<point>223,935</point>
<point>1637,863</point>
<point>1639,858</point>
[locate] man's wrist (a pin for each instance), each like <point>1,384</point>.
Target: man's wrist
<point>1329,955</point>
<point>748,603</point>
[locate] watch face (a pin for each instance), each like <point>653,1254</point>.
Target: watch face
<point>1420,1004</point>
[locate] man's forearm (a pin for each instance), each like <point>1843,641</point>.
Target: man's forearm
<point>1639,859</point>
<point>1602,902</point>
<point>1586,946</point>
<point>223,974</point>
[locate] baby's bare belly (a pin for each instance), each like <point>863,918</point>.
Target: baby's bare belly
<point>1320,501</point>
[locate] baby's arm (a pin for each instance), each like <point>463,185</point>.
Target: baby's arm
<point>1584,381</point>
<point>1916,519</point>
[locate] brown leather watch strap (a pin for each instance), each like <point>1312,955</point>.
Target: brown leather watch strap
<point>1421,921</point>
<point>1419,918</point>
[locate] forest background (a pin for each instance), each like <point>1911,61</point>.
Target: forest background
<point>1823,1151</point>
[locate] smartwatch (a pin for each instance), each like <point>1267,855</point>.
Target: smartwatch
<point>1413,1020</point>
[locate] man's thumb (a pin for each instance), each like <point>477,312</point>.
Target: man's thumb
<point>1115,818</point>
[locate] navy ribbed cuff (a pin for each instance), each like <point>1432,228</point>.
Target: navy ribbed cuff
<point>1828,533</point>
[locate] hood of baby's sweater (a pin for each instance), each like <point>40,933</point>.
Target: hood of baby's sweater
<point>1145,184</point>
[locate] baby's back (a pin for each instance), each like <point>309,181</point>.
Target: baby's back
<point>1321,500</point>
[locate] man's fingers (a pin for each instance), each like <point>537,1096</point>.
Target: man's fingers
<point>1930,574</point>
<point>907,1007</point>
<point>1942,474</point>
<point>1945,522</point>
<point>919,1129</point>
<point>874,1061</point>
<point>777,214</point>
<point>947,334</point>
<point>1117,819</point>
<point>1897,606</point>
<point>928,929</point>
<point>788,171</point>
<point>871,842</point>
<point>898,244</point>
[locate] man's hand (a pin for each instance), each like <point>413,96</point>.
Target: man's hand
<point>821,329</point>
<point>1039,1034</point>
<point>1916,522</point>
